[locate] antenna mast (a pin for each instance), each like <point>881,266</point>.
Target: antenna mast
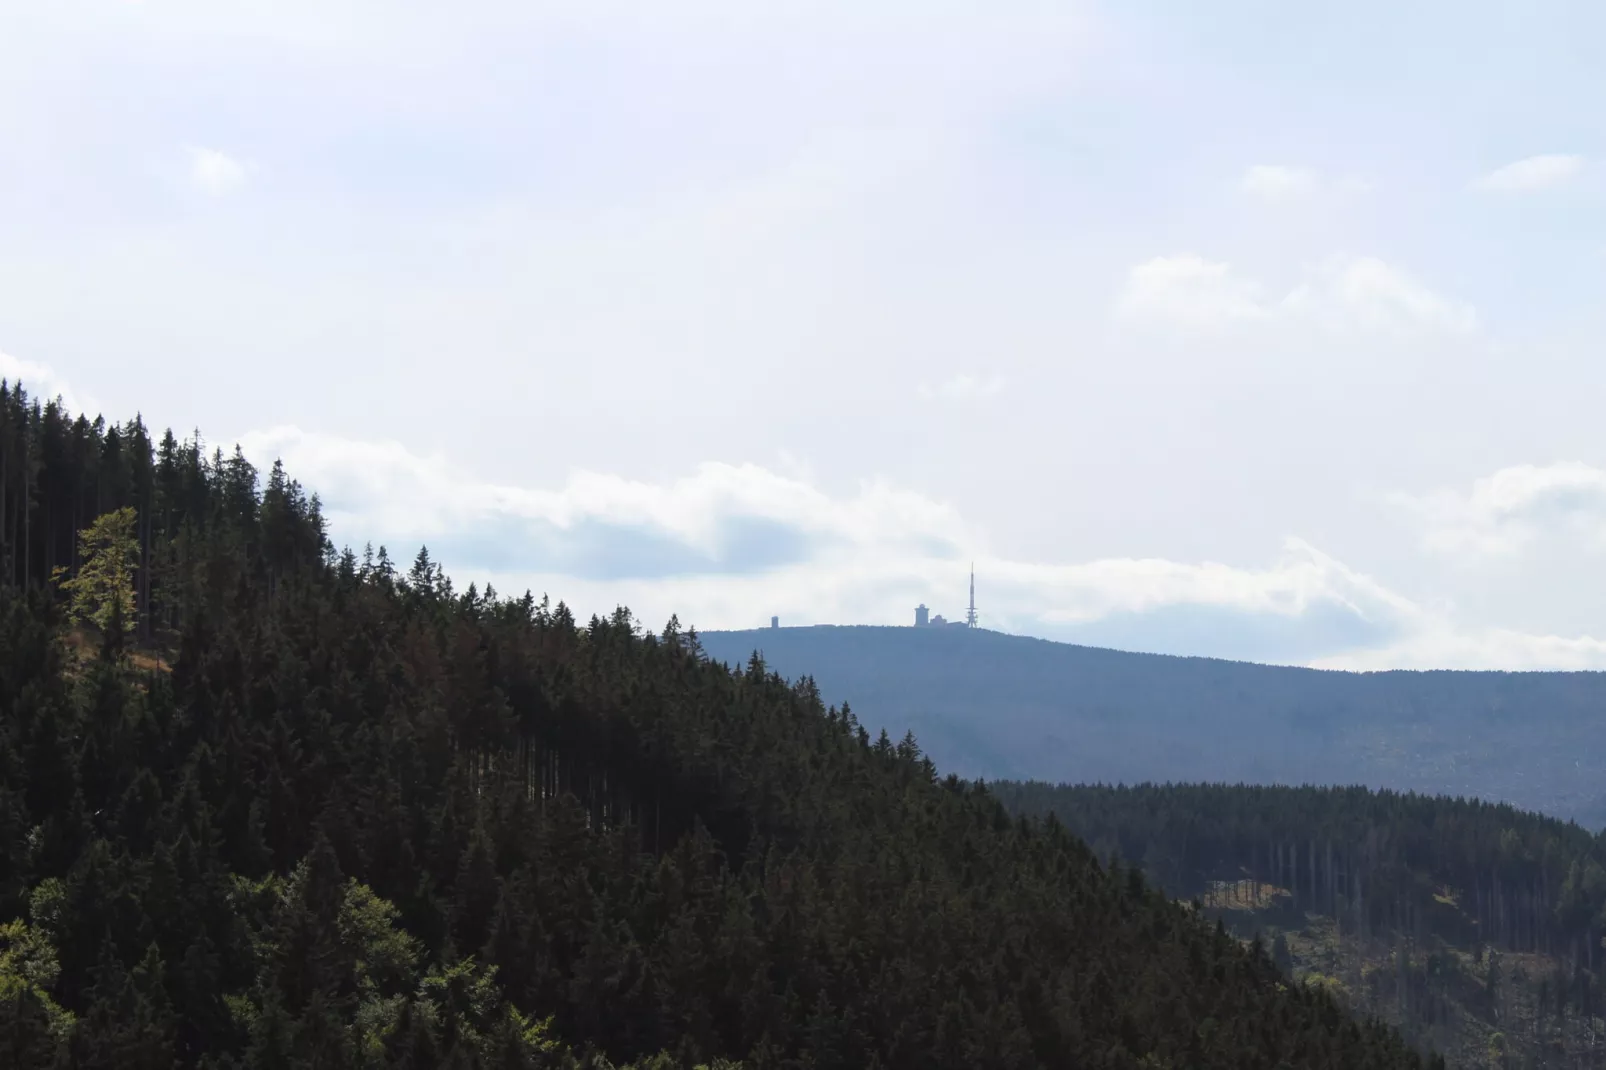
<point>970,617</point>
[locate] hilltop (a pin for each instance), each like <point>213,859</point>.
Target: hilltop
<point>986,704</point>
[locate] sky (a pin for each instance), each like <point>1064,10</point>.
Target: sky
<point>1245,329</point>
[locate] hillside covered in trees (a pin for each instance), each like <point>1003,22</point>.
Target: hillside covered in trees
<point>985,704</point>
<point>264,804</point>
<point>1476,928</point>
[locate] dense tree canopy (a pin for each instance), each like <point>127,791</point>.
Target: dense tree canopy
<point>1438,885</point>
<point>347,816</point>
<point>1377,859</point>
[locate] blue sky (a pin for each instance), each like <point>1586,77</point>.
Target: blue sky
<point>1253,329</point>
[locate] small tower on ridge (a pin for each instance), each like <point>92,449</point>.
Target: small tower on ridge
<point>970,617</point>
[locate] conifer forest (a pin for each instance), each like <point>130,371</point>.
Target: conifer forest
<point>266,802</point>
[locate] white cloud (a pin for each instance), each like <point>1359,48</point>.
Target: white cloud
<point>384,488</point>
<point>1280,182</point>
<point>963,387</point>
<point>1187,290</point>
<point>1438,645</point>
<point>215,172</point>
<point>1276,182</point>
<point>43,384</point>
<point>1339,294</point>
<point>1369,293</point>
<point>1301,578</point>
<point>1532,174</point>
<point>1506,512</point>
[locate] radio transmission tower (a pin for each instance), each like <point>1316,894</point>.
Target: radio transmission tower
<point>970,617</point>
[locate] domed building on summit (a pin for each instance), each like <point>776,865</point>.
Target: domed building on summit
<point>925,619</point>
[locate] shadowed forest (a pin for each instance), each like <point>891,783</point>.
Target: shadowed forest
<point>1476,928</point>
<point>264,803</point>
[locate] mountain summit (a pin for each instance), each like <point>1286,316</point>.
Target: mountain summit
<point>986,704</point>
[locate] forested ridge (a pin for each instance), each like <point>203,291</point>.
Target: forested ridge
<point>265,804</point>
<point>1465,905</point>
<point>987,704</point>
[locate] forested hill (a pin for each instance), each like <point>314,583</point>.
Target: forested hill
<point>1477,928</point>
<point>985,704</point>
<point>268,805</point>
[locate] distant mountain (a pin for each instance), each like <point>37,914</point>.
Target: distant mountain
<point>985,704</point>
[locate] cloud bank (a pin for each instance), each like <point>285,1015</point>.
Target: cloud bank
<point>728,545</point>
<point>1507,512</point>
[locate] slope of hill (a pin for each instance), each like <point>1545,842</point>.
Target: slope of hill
<point>1474,928</point>
<point>985,704</point>
<point>342,816</point>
